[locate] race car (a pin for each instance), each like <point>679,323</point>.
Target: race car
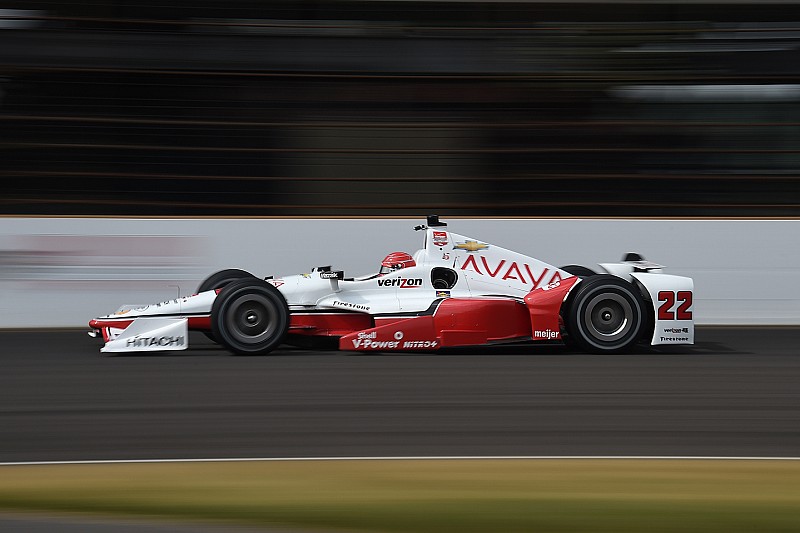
<point>456,291</point>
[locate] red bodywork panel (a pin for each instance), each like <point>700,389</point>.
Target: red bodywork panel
<point>544,305</point>
<point>456,322</point>
<point>328,324</point>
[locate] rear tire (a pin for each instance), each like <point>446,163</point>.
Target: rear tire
<point>578,270</point>
<point>249,317</point>
<point>606,315</point>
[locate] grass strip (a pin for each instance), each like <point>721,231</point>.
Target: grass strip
<point>515,495</point>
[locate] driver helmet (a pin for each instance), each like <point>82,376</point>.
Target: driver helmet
<point>396,261</point>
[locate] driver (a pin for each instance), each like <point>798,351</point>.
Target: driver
<point>396,261</point>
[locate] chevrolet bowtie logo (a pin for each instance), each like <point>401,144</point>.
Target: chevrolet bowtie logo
<point>470,246</point>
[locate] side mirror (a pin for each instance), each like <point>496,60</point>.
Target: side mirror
<point>334,276</point>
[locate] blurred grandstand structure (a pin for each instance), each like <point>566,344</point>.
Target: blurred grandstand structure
<point>245,108</point>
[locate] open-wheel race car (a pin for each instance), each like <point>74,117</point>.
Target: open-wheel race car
<point>455,291</point>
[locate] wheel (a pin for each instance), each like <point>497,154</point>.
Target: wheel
<point>578,270</point>
<point>606,315</point>
<point>218,280</point>
<point>249,317</point>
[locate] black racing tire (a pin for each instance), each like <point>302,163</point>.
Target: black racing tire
<point>217,280</point>
<point>249,317</point>
<point>606,314</point>
<point>578,270</point>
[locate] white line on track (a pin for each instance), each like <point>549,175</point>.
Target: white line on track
<point>408,458</point>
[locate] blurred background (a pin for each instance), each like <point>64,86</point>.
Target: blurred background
<point>398,108</point>
<point>608,113</point>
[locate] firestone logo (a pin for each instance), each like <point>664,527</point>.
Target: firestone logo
<point>350,305</point>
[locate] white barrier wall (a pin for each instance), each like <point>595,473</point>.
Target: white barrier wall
<point>60,272</point>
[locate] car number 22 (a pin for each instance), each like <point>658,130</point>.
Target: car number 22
<point>666,310</point>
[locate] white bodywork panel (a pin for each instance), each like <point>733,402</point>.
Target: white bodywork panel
<point>156,327</point>
<point>487,269</point>
<point>150,334</point>
<point>672,296</point>
<point>196,304</point>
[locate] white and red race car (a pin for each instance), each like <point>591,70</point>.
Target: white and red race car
<point>455,291</point>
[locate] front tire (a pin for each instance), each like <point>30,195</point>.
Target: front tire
<point>249,317</point>
<point>217,280</point>
<point>606,315</point>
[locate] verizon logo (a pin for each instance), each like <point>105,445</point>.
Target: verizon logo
<point>402,283</point>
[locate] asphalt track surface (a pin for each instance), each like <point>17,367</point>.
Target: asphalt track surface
<point>735,393</point>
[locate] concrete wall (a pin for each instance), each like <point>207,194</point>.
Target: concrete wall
<point>60,272</point>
